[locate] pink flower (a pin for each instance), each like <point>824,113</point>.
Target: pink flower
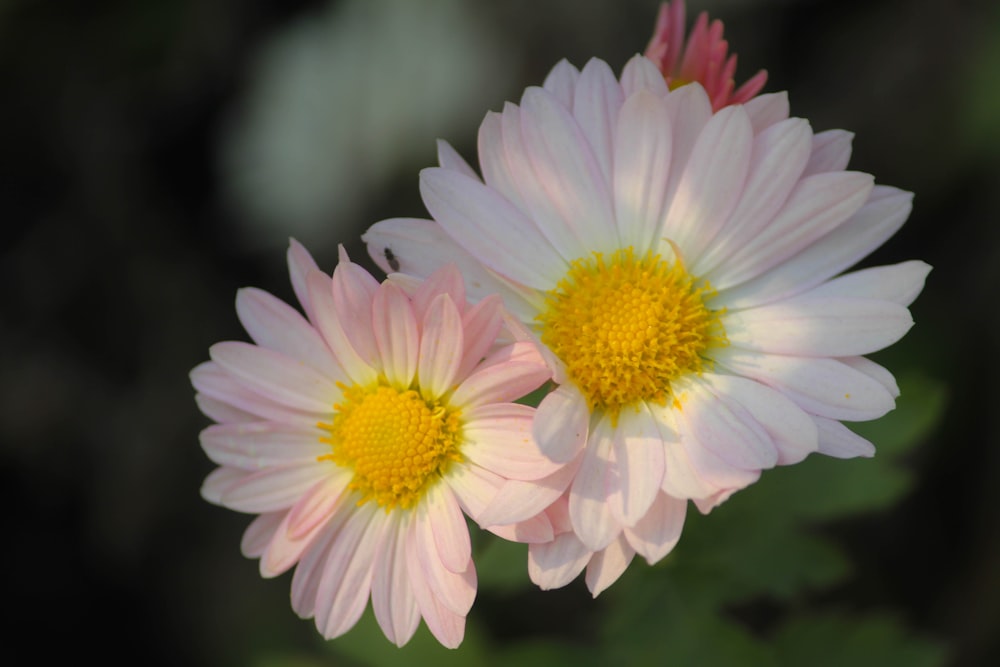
<point>704,59</point>
<point>361,433</point>
<point>679,268</point>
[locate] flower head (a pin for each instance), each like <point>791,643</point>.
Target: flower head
<point>361,433</point>
<point>704,59</point>
<point>678,267</point>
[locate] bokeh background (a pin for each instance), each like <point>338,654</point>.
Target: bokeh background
<point>157,155</point>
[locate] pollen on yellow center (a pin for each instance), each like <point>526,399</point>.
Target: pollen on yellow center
<point>396,442</point>
<point>627,326</point>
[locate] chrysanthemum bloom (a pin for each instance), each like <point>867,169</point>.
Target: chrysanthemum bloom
<point>704,59</point>
<point>361,434</point>
<point>678,267</point>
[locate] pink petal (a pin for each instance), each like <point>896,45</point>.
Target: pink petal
<point>456,590</point>
<point>518,500</point>
<point>506,375</point>
<point>347,574</point>
<point>439,508</point>
<point>656,533</point>
<point>680,478</point>
<point>288,545</point>
<point>878,373</point>
<point>216,384</point>
<point>353,292</point>
<point>260,532</point>
<point>222,413</point>
<point>396,335</point>
<point>766,110</point>
<point>445,280</point>
<point>312,564</point>
<point>498,438</point>
<point>441,341</point>
<point>300,264</point>
<point>480,326</point>
<point>276,377</point>
<point>474,487</point>
<point>275,488</point>
<point>554,564</point>
<point>256,445</point>
<point>219,481</point>
<point>536,530</point>
<point>328,322</point>
<point>562,423</point>
<point>275,325</point>
<point>608,564</point>
<point>447,626</point>
<point>640,74</point>
<point>393,601</point>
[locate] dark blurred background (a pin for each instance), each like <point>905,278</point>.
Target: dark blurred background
<point>157,155</point>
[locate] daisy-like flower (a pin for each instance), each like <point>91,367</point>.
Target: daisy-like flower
<point>705,58</point>
<point>678,267</point>
<point>360,436</point>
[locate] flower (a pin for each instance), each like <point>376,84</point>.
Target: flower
<point>678,267</point>
<point>703,59</point>
<point>360,436</point>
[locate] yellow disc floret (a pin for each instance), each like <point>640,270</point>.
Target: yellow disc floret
<point>397,443</point>
<point>627,326</point>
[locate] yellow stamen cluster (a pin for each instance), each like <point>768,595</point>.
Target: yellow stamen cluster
<point>627,326</point>
<point>397,443</point>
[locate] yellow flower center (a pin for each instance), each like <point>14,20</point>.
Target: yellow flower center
<point>626,327</point>
<point>397,443</point>
<point>673,83</point>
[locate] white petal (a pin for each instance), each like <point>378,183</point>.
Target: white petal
<point>536,530</point>
<point>449,158</point>
<point>840,442</point>
<point>898,283</point>
<point>639,457</point>
<point>777,158</point>
<point>816,206</point>
<point>791,430</point>
<point>519,500</point>
<point>608,564</point>
<point>554,564</point>
<point>216,384</point>
<point>823,387</point>
<point>300,264</point>
<point>561,82</point>
<point>498,438</point>
<point>562,423</point>
<point>596,102</point>
<point>680,478</point>
<point>766,110</point>
<point>565,167</point>
<point>659,530</point>
<point>491,228</point>
<point>712,182</point>
<point>831,151</point>
<point>474,487</point>
<point>880,217</point>
<point>421,246</point>
<point>641,74</point>
<point>878,373</point>
<point>592,519</point>
<point>222,413</point>
<point>690,109</point>
<point>219,481</point>
<point>642,153</point>
<point>811,325</point>
<point>260,532</point>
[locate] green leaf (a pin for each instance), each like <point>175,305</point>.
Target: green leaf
<point>833,640</point>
